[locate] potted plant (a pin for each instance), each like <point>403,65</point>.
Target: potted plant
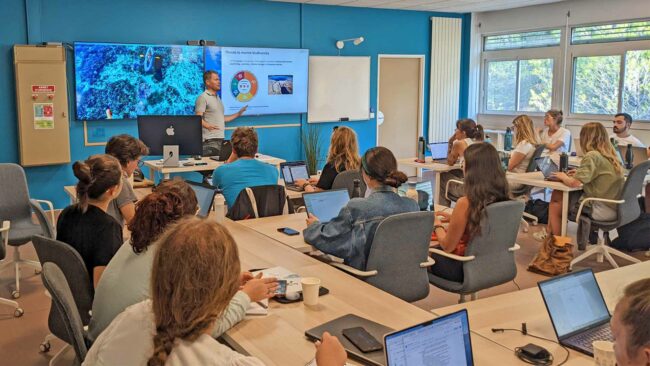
<point>312,145</point>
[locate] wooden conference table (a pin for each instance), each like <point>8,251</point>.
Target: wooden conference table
<point>511,309</point>
<point>207,164</point>
<point>278,338</point>
<point>436,168</point>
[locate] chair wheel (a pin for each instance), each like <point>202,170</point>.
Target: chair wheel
<point>15,294</point>
<point>45,346</point>
<point>18,312</point>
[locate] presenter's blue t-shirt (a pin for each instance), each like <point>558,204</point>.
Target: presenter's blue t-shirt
<point>234,177</point>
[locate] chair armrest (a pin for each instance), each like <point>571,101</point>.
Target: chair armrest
<point>5,237</point>
<point>430,262</point>
<point>50,206</point>
<point>50,225</point>
<point>452,256</point>
<point>5,226</point>
<point>582,204</point>
<point>456,181</point>
<point>354,271</point>
<point>514,247</point>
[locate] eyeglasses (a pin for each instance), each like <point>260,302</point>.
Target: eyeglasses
<point>140,163</point>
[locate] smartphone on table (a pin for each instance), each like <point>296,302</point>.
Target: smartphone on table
<point>288,231</point>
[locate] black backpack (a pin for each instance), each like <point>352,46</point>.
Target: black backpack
<point>538,208</point>
<point>635,236</point>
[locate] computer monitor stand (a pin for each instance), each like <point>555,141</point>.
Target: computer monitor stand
<point>170,156</point>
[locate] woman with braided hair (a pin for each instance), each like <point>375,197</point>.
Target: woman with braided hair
<point>196,271</point>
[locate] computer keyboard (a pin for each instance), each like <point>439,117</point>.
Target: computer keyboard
<point>602,333</point>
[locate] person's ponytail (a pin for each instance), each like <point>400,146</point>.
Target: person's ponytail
<point>395,179</point>
<point>96,175</point>
<point>479,135</point>
<point>82,171</point>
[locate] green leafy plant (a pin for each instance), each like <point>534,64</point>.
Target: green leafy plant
<point>312,145</point>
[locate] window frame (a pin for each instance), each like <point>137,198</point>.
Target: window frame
<point>520,54</point>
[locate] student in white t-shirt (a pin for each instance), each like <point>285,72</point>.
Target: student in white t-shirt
<point>525,142</point>
<point>556,138</point>
<point>195,275</point>
<point>621,128</point>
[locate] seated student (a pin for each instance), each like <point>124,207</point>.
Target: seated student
<point>631,325</point>
<point>621,128</point>
<point>128,150</point>
<point>556,138</point>
<point>85,225</point>
<point>173,327</point>
<point>600,174</point>
<point>467,133</point>
<point>127,277</point>
<point>525,142</point>
<point>485,183</point>
<point>243,170</point>
<point>343,155</point>
<point>349,235</point>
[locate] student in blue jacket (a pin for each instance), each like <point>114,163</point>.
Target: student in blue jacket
<point>349,235</point>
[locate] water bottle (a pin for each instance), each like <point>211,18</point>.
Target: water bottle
<point>507,143</point>
<point>628,157</point>
<point>356,191</point>
<point>421,148</point>
<point>564,162</point>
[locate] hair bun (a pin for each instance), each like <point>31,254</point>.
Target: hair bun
<point>395,179</point>
<point>82,171</point>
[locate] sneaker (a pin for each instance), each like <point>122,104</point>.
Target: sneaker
<point>540,235</point>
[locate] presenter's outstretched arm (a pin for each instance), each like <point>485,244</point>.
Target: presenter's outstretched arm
<point>232,117</point>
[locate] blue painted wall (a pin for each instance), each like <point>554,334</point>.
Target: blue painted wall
<point>254,23</point>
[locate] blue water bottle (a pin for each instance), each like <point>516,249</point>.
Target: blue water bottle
<point>507,143</point>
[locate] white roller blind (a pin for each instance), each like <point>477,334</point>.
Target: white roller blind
<point>444,92</point>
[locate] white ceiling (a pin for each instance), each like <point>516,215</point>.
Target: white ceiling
<point>454,6</point>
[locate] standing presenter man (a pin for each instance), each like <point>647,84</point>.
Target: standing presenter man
<point>209,106</point>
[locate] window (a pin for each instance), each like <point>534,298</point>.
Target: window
<point>619,32</point>
<point>636,87</point>
<point>543,38</point>
<point>596,84</point>
<point>519,86</point>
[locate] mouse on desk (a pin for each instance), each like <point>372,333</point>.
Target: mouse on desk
<point>198,157</point>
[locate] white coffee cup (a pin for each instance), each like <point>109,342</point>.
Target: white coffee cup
<point>310,287</point>
<point>604,353</point>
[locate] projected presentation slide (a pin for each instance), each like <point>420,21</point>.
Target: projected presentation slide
<point>117,81</point>
<point>267,80</point>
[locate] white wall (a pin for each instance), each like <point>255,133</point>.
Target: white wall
<point>547,16</point>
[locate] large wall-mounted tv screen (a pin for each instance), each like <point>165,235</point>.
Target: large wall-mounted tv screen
<point>267,80</point>
<point>118,81</point>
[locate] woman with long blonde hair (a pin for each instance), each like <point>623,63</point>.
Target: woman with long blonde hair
<point>343,155</point>
<point>195,274</point>
<point>525,142</point>
<point>600,174</point>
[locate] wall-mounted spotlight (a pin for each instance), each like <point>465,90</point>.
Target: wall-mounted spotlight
<point>356,41</point>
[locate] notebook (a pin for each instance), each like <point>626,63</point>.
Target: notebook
<point>205,196</point>
<point>326,205</point>
<point>444,341</point>
<point>577,310</point>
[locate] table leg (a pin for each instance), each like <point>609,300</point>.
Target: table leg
<point>565,212</point>
<point>152,175</point>
<point>436,189</point>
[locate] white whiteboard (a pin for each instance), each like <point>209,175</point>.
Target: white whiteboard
<point>339,87</point>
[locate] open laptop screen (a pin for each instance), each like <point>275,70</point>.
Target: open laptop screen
<point>294,171</point>
<point>204,196</point>
<point>574,302</point>
<point>444,341</point>
<point>326,205</point>
<point>547,166</point>
<point>439,150</point>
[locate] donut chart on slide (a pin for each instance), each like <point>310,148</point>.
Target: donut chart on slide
<point>244,86</point>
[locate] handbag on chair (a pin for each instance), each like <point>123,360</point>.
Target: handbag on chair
<point>554,256</point>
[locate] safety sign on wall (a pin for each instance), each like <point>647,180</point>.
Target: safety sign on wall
<point>44,116</point>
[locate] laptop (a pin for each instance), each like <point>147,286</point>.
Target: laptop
<point>326,205</point>
<point>547,166</point>
<point>291,172</point>
<point>577,310</point>
<point>639,154</point>
<point>205,196</point>
<point>441,341</point>
<point>439,151</point>
<point>224,153</point>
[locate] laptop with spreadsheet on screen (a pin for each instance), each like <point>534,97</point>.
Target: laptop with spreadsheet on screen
<point>326,204</point>
<point>444,341</point>
<point>577,310</point>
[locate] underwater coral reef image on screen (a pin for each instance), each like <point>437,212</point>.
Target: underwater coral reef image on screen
<point>122,81</point>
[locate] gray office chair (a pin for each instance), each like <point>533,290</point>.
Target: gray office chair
<point>78,279</point>
<point>398,258</point>
<point>628,210</point>
<point>17,207</point>
<point>489,259</point>
<point>526,190</point>
<point>346,180</point>
<point>4,232</point>
<point>62,299</point>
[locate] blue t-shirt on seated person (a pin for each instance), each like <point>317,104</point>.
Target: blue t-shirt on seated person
<point>234,177</point>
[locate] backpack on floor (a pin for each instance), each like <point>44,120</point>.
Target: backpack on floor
<point>634,236</point>
<point>539,209</point>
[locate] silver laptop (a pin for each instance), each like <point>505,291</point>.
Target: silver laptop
<point>577,309</point>
<point>547,166</point>
<point>439,151</point>
<point>326,205</point>
<point>291,172</point>
<point>443,341</point>
<point>205,197</point>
